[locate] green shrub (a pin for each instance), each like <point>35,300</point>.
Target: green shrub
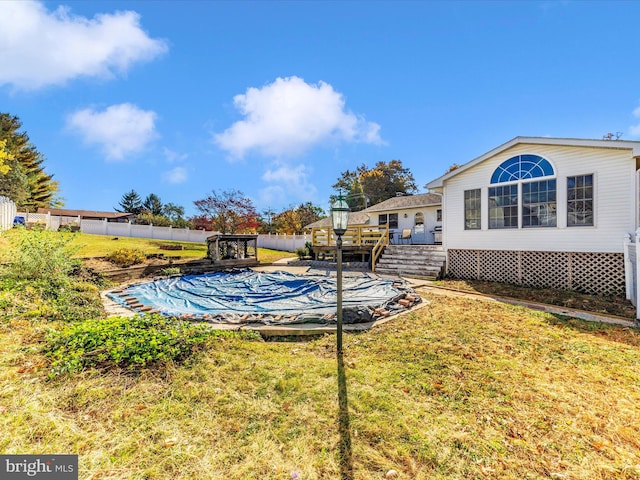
<point>125,257</point>
<point>40,255</point>
<point>309,247</point>
<point>170,271</point>
<point>42,281</point>
<point>151,219</point>
<point>301,253</point>
<point>127,343</point>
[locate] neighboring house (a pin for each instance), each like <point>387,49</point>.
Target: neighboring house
<point>545,212</point>
<point>420,213</point>
<point>355,218</point>
<point>88,214</point>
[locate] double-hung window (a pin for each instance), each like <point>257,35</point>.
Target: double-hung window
<point>539,204</point>
<point>503,206</point>
<point>580,201</point>
<point>472,209</point>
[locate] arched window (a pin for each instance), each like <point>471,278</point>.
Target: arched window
<point>522,167</point>
<point>534,201</point>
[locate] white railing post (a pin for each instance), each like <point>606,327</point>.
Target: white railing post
<point>628,267</point>
<point>636,276</point>
<point>105,227</point>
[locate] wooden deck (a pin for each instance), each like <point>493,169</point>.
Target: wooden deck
<point>358,239</point>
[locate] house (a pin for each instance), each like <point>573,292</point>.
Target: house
<point>421,213</point>
<point>88,214</point>
<point>543,212</point>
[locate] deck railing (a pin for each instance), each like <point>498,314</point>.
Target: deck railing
<point>376,238</point>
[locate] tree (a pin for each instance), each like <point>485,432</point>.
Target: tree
<point>4,158</point>
<point>227,212</point>
<point>293,220</point>
<point>130,203</point>
<point>27,183</point>
<point>266,220</point>
<point>173,212</point>
<point>147,218</point>
<point>365,187</point>
<point>153,205</point>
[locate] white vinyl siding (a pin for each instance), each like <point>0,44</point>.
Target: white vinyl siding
<point>614,205</point>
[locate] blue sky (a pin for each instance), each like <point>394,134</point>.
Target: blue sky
<point>275,99</point>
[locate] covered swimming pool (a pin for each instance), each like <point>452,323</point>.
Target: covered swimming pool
<point>248,296</point>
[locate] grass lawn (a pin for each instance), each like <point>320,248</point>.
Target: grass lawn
<point>102,245</point>
<point>460,389</point>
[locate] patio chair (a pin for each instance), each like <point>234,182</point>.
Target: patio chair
<point>405,236</point>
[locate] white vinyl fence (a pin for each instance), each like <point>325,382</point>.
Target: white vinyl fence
<point>283,242</point>
<point>102,227</point>
<point>118,229</point>
<point>632,269</point>
<point>7,213</point>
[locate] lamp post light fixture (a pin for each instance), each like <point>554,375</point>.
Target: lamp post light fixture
<point>339,221</point>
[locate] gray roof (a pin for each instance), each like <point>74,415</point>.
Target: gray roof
<point>355,218</point>
<point>406,202</point>
<point>395,203</point>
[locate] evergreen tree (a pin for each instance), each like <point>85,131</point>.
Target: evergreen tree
<point>29,186</point>
<point>153,205</point>
<point>130,203</point>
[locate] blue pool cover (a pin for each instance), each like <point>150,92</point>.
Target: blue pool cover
<point>274,297</point>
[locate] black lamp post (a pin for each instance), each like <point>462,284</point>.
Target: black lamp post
<point>339,221</point>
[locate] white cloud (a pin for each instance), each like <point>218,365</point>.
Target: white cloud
<point>289,116</point>
<point>40,47</point>
<point>120,129</point>
<point>272,196</point>
<point>635,129</point>
<point>172,156</point>
<point>176,175</point>
<point>287,182</point>
<point>287,175</point>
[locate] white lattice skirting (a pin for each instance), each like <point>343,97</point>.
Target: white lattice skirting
<point>595,273</point>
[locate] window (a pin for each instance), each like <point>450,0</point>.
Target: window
<point>535,199</point>
<point>471,209</point>
<point>439,215</point>
<point>522,167</point>
<point>503,206</point>
<point>539,204</point>
<point>580,201</point>
<point>391,220</point>
<point>418,219</point>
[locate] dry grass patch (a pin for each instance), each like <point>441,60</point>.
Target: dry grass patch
<point>460,389</point>
<point>613,305</point>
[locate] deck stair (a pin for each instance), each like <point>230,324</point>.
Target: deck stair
<point>419,261</point>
